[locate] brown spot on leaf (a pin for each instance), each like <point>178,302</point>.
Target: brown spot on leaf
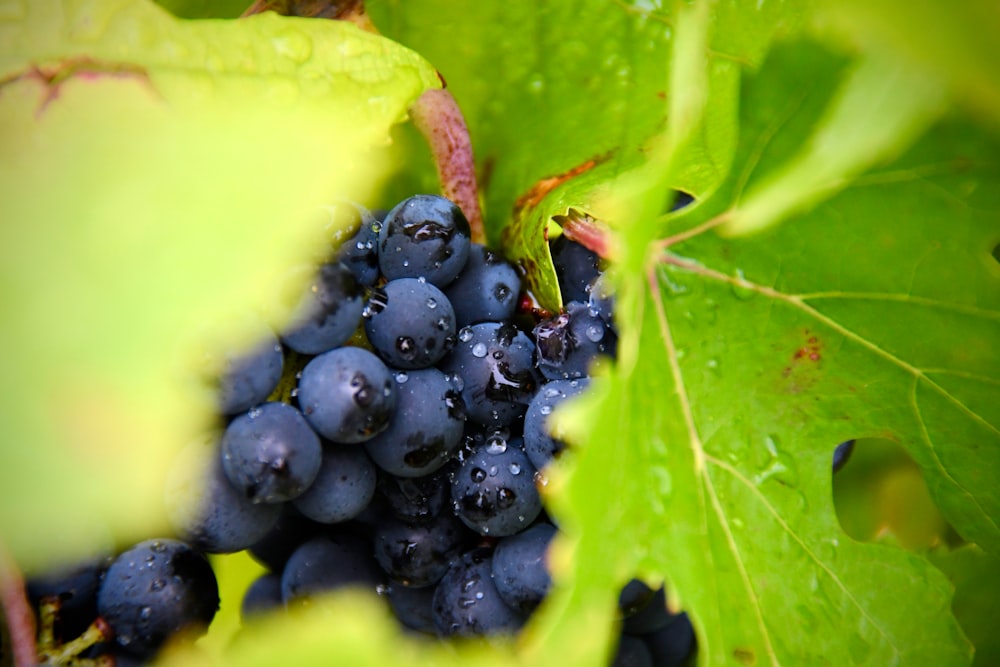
<point>745,656</point>
<point>53,76</point>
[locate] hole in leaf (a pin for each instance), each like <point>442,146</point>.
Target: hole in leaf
<point>880,496</point>
<point>680,200</point>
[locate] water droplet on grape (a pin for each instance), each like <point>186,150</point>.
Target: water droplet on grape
<point>479,350</point>
<point>595,332</point>
<point>465,334</point>
<point>515,469</point>
<point>402,377</point>
<point>545,409</point>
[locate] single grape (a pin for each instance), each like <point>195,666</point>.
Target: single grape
<point>842,454</point>
<point>249,378</point>
<point>573,341</point>
<point>328,313</point>
<point>347,394</point>
<point>495,366</point>
<point>263,595</point>
<point>414,607</point>
<point>486,290</point>
<point>576,268</point>
<point>416,499</point>
<point>418,554</point>
<point>206,510</point>
<point>651,617</point>
<point>424,236</point>
<point>634,596</point>
<point>271,454</point>
<point>359,252</point>
<point>539,444</point>
<point>323,564</point>
<point>466,601</point>
<point>519,569</point>
<point>410,323</point>
<point>672,644</point>
<point>426,429</point>
<point>344,487</point>
<point>154,590</point>
<point>494,489</point>
<point>632,652</point>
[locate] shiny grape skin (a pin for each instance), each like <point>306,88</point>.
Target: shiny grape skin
<point>271,454</point>
<point>424,236</point>
<point>154,590</point>
<point>494,490</point>
<point>348,394</point>
<point>426,428</point>
<point>466,602</point>
<point>342,489</point>
<point>410,323</point>
<point>494,362</point>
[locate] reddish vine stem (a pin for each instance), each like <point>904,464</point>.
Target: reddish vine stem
<point>17,612</point>
<point>437,116</point>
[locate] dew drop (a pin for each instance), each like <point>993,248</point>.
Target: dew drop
<point>545,409</point>
<point>595,332</point>
<point>515,469</point>
<point>465,334</point>
<point>145,613</point>
<point>479,350</point>
<point>432,303</point>
<point>402,377</point>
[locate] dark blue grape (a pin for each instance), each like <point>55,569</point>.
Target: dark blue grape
<point>632,652</point>
<point>539,444</point>
<point>576,267</point>
<point>359,252</point>
<point>842,454</point>
<point>414,607</point>
<point>348,395</point>
<point>519,568</point>
<point>570,343</point>
<point>495,366</point>
<point>651,617</point>
<point>344,487</point>
<point>410,323</point>
<point>671,645</point>
<point>328,313</point>
<point>249,378</point>
<point>601,301</point>
<point>262,596</point>
<point>466,601</point>
<point>207,511</point>
<point>327,563</point>
<point>416,499</point>
<point>494,489</point>
<point>418,554</point>
<point>426,429</point>
<point>486,290</point>
<point>270,454</point>
<point>681,200</point>
<point>292,529</point>
<point>154,590</point>
<point>425,236</point>
<point>634,596</point>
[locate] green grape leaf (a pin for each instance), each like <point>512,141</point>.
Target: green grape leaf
<point>159,176</point>
<point>976,576</point>
<point>205,9</point>
<point>863,317</point>
<point>953,45</point>
<point>580,98</point>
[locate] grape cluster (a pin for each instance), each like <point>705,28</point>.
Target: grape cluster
<point>391,437</point>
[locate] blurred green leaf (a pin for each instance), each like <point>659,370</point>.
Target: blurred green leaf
<point>955,44</point>
<point>159,176</point>
<point>976,577</point>
<point>204,9</point>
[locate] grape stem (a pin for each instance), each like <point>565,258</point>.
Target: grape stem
<point>17,612</point>
<point>437,116</point>
<point>435,113</point>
